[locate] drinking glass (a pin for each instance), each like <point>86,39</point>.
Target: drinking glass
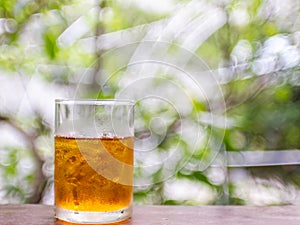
<point>93,175</point>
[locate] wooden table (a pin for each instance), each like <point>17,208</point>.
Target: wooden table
<point>167,215</point>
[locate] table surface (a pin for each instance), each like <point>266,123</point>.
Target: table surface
<point>167,215</point>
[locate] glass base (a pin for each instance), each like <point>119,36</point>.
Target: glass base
<point>93,217</point>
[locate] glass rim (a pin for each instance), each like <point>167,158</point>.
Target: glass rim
<point>95,101</point>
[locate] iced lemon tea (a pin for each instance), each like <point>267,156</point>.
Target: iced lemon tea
<point>93,173</point>
<point>83,181</point>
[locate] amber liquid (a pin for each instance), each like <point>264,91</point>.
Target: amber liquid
<point>93,174</point>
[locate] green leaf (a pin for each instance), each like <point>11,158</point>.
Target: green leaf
<point>196,175</point>
<point>50,45</point>
<point>171,202</point>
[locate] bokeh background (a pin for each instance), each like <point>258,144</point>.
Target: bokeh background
<point>212,81</point>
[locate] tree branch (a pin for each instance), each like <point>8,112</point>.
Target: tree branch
<point>40,178</point>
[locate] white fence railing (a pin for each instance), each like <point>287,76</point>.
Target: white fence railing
<point>263,158</point>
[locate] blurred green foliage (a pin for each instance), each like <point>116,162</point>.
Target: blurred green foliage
<point>69,45</point>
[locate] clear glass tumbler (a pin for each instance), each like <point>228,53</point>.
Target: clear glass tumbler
<point>94,147</point>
